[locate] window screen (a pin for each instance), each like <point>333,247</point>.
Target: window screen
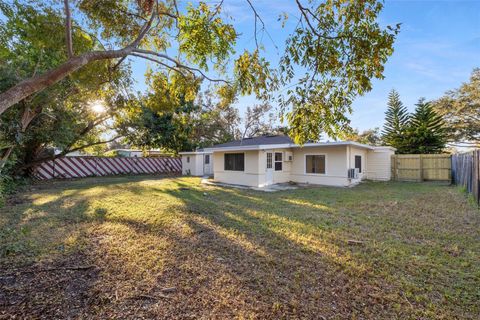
<point>269,160</point>
<point>358,163</point>
<point>235,161</point>
<point>315,164</point>
<point>207,159</point>
<point>278,161</point>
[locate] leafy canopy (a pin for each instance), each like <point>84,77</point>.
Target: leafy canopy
<point>423,131</point>
<point>397,121</point>
<point>460,109</point>
<point>335,50</point>
<point>427,130</point>
<point>341,47</point>
<point>60,116</point>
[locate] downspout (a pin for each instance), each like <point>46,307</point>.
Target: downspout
<point>348,162</point>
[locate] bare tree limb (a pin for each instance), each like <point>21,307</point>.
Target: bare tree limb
<point>68,29</point>
<point>259,18</point>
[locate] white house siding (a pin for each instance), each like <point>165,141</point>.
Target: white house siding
<point>278,176</point>
<point>251,176</point>
<point>335,166</point>
<point>339,158</point>
<point>354,151</point>
<point>379,164</point>
<point>194,167</point>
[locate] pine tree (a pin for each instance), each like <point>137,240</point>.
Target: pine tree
<point>396,123</point>
<point>427,132</point>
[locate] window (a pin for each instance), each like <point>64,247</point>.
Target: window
<point>358,163</point>
<point>207,159</point>
<point>235,161</point>
<point>269,160</point>
<point>315,164</point>
<point>278,161</point>
<point>188,159</point>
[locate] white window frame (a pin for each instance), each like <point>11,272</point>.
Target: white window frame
<point>275,161</point>
<point>207,156</point>
<point>305,164</point>
<point>271,153</point>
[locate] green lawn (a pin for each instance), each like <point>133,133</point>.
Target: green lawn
<point>132,247</point>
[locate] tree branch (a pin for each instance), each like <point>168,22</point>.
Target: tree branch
<point>257,16</point>
<point>144,30</point>
<point>68,29</point>
<point>178,64</point>
<point>159,62</point>
<point>64,153</point>
<point>34,84</point>
<point>305,11</point>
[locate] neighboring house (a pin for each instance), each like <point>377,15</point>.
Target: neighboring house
<point>78,153</point>
<point>129,153</point>
<point>267,160</point>
<point>158,153</point>
<point>197,163</point>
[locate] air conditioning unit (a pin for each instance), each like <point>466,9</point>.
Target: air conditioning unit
<point>353,173</point>
<point>288,156</point>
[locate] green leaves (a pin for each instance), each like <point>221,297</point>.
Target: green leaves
<point>460,109</point>
<point>170,92</point>
<point>396,125</point>
<point>251,74</point>
<point>342,47</point>
<point>335,50</point>
<point>427,130</point>
<point>204,37</point>
<point>421,132</point>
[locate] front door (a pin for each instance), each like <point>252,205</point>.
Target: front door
<point>269,169</point>
<point>207,165</point>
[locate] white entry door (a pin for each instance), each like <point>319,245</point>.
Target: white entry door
<point>207,165</point>
<point>269,169</point>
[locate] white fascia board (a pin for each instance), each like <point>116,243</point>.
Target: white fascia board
<point>336,143</point>
<point>288,145</point>
<point>248,148</point>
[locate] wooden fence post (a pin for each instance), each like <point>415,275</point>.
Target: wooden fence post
<point>394,167</point>
<point>420,167</point>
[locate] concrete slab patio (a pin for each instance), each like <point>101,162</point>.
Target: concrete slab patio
<point>270,188</point>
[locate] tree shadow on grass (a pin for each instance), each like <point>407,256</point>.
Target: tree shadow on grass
<point>289,271</point>
<point>228,253</point>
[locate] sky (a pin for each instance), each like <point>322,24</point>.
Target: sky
<point>436,50</point>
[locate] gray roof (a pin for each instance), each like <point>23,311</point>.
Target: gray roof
<point>255,141</point>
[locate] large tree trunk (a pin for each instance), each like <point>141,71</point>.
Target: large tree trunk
<point>35,84</point>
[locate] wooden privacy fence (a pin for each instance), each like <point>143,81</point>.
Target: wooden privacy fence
<point>466,172</point>
<point>80,167</point>
<point>422,167</point>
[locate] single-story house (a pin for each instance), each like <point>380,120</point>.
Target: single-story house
<point>267,160</point>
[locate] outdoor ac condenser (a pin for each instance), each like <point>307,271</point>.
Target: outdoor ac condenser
<point>353,173</point>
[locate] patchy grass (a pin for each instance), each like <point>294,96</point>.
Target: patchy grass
<point>133,247</point>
